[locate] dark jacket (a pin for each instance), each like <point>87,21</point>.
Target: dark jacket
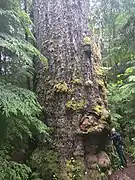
<point>116,138</point>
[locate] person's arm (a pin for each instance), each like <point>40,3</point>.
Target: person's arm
<point>113,136</point>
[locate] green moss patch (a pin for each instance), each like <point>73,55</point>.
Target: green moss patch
<point>77,81</point>
<point>61,87</point>
<point>87,41</point>
<point>75,169</point>
<point>76,105</point>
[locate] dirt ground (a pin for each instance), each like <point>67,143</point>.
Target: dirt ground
<point>126,174</point>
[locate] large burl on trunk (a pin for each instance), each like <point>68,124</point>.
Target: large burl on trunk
<point>72,90</point>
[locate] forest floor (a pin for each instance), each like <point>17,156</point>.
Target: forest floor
<point>125,174</point>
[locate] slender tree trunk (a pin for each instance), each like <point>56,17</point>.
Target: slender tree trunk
<point>71,90</point>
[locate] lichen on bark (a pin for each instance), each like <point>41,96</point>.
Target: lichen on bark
<point>63,36</point>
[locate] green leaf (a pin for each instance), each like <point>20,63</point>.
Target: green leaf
<point>131,78</point>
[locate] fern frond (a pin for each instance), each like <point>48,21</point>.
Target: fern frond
<point>20,47</point>
<point>20,109</point>
<point>12,170</point>
<point>14,100</point>
<point>127,90</point>
<point>11,15</point>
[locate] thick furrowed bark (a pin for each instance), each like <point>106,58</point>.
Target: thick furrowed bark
<point>71,90</point>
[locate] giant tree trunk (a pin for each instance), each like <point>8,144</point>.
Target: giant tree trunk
<point>71,90</point>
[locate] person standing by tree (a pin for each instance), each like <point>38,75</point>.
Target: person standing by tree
<point>118,143</point>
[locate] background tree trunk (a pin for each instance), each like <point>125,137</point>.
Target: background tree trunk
<point>72,90</point>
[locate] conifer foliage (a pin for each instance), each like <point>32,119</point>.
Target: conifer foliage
<point>115,21</point>
<point>19,108</point>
